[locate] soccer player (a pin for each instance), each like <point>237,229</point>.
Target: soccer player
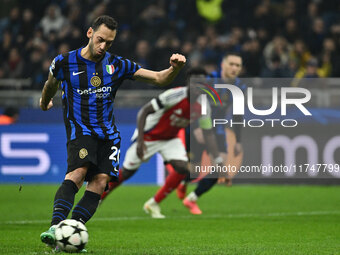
<point>89,78</point>
<point>231,67</point>
<point>158,124</point>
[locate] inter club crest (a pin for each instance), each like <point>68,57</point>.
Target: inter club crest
<point>83,153</point>
<point>95,81</point>
<point>110,69</point>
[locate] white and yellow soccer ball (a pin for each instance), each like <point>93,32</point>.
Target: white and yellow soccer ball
<point>71,235</point>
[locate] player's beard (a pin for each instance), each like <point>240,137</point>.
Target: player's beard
<point>93,51</point>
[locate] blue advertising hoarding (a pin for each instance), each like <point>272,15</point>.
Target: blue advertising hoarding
<point>36,153</point>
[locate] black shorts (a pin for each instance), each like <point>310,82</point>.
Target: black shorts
<point>103,156</point>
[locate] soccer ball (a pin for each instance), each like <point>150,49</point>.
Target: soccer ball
<point>71,235</point>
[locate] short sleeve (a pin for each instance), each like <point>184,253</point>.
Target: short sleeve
<point>56,68</point>
<point>173,96</point>
<point>169,98</point>
<point>128,68</point>
<point>156,104</point>
<point>241,85</point>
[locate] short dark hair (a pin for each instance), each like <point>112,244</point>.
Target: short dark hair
<point>231,53</point>
<point>196,71</point>
<point>108,21</point>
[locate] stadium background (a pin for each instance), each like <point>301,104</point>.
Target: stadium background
<point>277,39</point>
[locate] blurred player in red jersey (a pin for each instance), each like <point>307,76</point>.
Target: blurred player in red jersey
<point>158,124</point>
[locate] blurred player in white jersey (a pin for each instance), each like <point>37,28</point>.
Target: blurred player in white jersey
<point>158,124</point>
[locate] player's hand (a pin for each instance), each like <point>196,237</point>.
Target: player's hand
<point>198,133</point>
<point>141,149</point>
<point>238,149</point>
<point>44,107</point>
<point>177,61</point>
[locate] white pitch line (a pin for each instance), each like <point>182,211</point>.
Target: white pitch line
<point>212,216</point>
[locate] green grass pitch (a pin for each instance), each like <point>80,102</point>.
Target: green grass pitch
<point>243,219</point>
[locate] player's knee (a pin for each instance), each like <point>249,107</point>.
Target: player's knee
<point>128,173</point>
<point>180,167</point>
<point>98,183</point>
<point>77,176</point>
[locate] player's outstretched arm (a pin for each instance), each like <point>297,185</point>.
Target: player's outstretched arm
<point>164,77</point>
<point>50,89</point>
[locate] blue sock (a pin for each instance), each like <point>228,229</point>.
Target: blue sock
<point>86,207</point>
<point>204,185</point>
<point>63,201</point>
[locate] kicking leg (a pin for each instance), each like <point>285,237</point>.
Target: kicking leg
<point>88,204</point>
<point>181,189</point>
<point>63,202</point>
<point>171,182</point>
<point>203,186</point>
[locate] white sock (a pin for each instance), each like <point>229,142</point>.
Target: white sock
<point>192,196</point>
<point>152,201</point>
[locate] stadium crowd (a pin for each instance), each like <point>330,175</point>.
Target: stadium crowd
<point>276,38</point>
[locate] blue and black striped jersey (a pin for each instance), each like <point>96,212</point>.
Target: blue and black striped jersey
<point>225,94</point>
<point>237,82</point>
<point>88,92</point>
